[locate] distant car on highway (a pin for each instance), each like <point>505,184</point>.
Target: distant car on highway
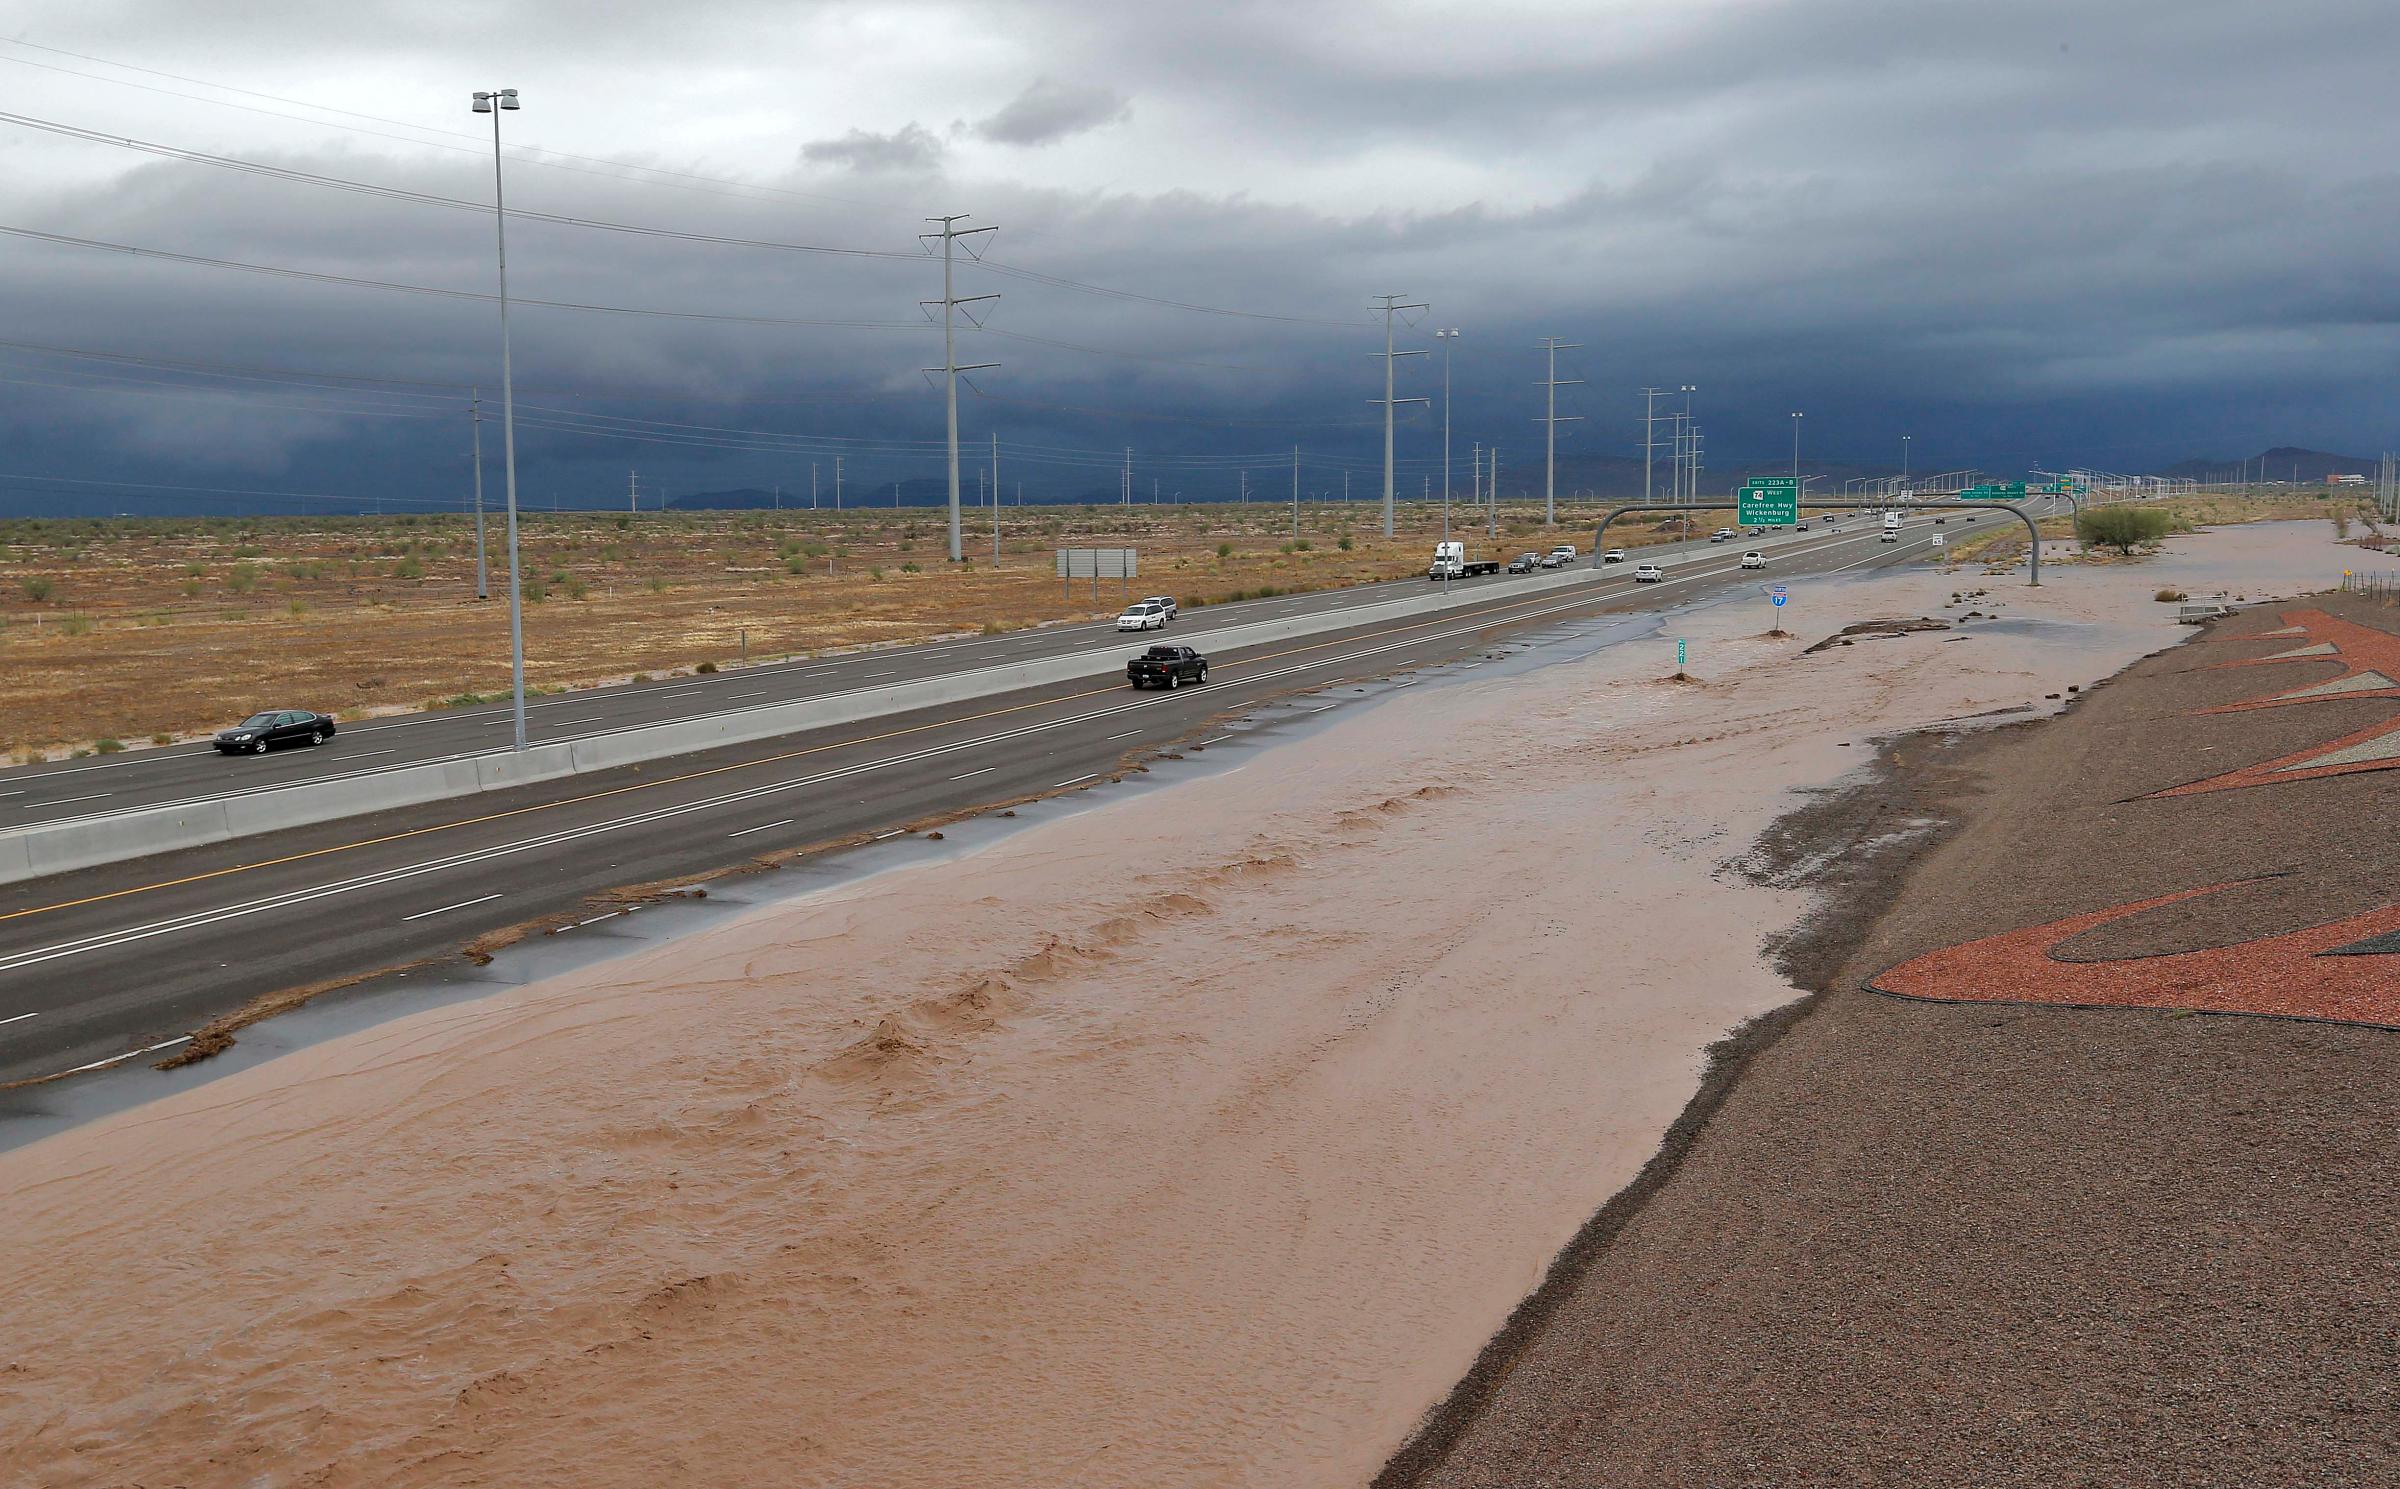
<point>1166,603</point>
<point>1146,616</point>
<point>1754,560</point>
<point>1613,556</point>
<point>1564,553</point>
<point>1524,563</point>
<point>262,732</point>
<point>1550,560</point>
<point>1648,573</point>
<point>1167,667</point>
<point>1721,535</point>
<point>1799,527</point>
<point>1941,522</point>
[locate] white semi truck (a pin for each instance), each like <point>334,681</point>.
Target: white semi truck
<point>1891,527</point>
<point>1450,561</point>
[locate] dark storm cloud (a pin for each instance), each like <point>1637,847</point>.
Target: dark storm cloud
<point>1049,111</point>
<point>2117,233</point>
<point>911,147</point>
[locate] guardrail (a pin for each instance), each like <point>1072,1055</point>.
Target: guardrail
<point>86,842</point>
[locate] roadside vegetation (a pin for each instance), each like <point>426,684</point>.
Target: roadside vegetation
<point>2127,529</point>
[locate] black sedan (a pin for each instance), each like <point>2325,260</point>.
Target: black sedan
<point>262,732</point>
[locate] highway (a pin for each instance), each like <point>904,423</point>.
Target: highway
<point>130,957</point>
<point>72,790</point>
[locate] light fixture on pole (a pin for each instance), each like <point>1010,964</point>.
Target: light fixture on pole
<point>1795,449</point>
<point>495,103</point>
<point>1904,439</point>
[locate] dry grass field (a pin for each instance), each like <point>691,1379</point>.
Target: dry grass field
<point>2350,512</point>
<point>124,632</point>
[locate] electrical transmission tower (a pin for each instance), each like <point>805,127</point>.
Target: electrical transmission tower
<point>1550,385</point>
<point>950,233</point>
<point>1391,307</point>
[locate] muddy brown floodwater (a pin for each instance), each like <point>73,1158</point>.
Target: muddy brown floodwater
<point>1198,1139</point>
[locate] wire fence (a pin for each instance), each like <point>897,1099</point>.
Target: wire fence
<point>2383,589</point>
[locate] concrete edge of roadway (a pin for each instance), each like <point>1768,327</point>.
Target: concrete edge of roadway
<point>46,848</point>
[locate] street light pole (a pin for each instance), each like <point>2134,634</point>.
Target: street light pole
<point>1795,449</point>
<point>1445,338</point>
<point>495,103</point>
<point>1904,439</point>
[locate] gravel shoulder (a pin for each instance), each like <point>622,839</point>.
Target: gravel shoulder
<point>1990,1242</point>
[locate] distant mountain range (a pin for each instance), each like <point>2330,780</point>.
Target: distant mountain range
<point>2283,463</point>
<point>1606,477</point>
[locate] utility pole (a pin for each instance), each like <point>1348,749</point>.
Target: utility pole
<point>812,485</point>
<point>1550,384</point>
<point>1391,307</point>
<point>1295,491</point>
<point>1493,528</point>
<point>633,491</point>
<point>483,586</point>
<point>995,498</point>
<point>778,496</point>
<point>1475,476</point>
<point>1796,449</point>
<point>950,234</point>
<point>837,484</point>
<point>1446,338</point>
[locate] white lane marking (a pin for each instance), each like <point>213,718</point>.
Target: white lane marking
<point>987,770</point>
<point>761,693</point>
<point>1128,734</point>
<point>694,688</point>
<point>882,674</point>
<point>138,757</point>
<point>367,754</point>
<point>11,793</point>
<point>164,1044</point>
<point>109,940</point>
<point>1077,781</point>
<point>18,1018</point>
<point>35,806</point>
<point>762,827</point>
<point>562,723</point>
<point>895,832</point>
<point>446,909</point>
<point>595,920</point>
<point>1328,708</point>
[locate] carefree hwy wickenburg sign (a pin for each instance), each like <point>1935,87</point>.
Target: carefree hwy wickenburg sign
<point>1769,501</point>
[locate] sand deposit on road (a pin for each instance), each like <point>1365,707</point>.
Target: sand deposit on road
<point>1201,1138</point>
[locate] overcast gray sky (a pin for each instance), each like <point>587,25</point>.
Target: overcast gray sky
<point>2116,232</point>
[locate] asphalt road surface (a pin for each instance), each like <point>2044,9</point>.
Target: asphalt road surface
<point>124,959</point>
<point>69,790</point>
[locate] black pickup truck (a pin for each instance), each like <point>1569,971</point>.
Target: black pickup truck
<point>1167,667</point>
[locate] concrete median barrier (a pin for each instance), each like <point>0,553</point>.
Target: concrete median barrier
<point>86,842</point>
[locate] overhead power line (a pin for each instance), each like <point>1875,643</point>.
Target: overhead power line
<point>356,282</point>
<point>426,198</point>
<point>341,183</point>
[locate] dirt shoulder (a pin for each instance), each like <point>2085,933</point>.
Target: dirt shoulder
<point>2012,1239</point>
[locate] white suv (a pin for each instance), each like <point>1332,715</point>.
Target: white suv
<point>1754,560</point>
<point>1166,603</point>
<point>1648,573</point>
<point>1147,616</point>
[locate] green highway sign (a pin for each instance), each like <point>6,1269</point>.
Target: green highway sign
<point>1770,501</point>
